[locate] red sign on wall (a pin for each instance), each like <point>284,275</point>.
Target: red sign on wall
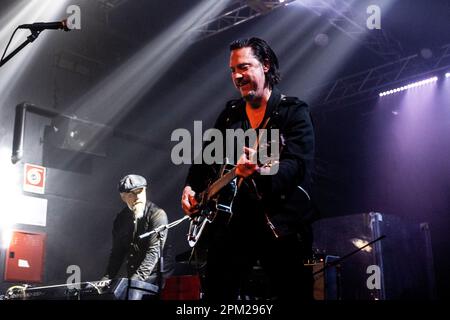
<point>34,178</point>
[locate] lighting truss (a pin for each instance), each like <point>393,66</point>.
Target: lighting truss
<point>409,86</point>
<point>107,6</point>
<point>340,13</point>
<point>369,83</point>
<point>343,16</point>
<point>237,12</point>
<point>111,4</point>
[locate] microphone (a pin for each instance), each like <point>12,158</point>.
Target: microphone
<point>39,26</point>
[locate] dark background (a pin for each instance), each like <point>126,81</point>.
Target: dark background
<point>124,70</point>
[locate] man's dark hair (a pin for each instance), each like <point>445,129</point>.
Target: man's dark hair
<point>264,53</point>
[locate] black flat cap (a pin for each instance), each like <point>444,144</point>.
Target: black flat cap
<point>131,182</point>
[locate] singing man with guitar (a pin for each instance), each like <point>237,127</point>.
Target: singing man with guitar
<point>252,215</point>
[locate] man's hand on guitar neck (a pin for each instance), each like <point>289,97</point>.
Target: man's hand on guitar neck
<point>246,164</point>
<point>188,201</point>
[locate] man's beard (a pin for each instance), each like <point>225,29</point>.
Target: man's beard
<point>138,210</point>
<point>250,96</point>
<point>252,99</point>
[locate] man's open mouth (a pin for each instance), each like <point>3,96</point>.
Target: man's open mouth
<point>241,84</point>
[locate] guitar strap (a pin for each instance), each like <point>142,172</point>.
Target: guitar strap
<point>255,147</point>
<point>264,126</point>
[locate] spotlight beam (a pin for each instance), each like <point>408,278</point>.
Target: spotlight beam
<point>112,99</point>
<point>236,13</point>
<point>25,12</point>
<point>131,81</point>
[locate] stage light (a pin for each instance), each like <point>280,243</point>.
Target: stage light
<point>447,75</point>
<point>426,53</point>
<point>322,40</point>
<point>409,86</point>
<point>359,243</point>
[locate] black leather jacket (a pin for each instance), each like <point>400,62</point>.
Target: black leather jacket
<point>141,255</point>
<point>285,195</point>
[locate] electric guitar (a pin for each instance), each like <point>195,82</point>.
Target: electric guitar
<point>216,201</point>
<point>214,204</point>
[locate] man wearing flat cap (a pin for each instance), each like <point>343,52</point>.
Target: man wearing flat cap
<point>138,217</point>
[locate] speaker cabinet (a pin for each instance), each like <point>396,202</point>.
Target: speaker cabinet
<point>326,278</point>
<point>395,267</point>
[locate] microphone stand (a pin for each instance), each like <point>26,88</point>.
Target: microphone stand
<point>33,36</point>
<point>159,231</point>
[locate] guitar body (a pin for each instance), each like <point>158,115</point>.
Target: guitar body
<point>215,203</point>
<point>214,212</point>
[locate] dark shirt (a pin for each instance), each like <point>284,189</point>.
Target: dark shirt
<point>286,195</point>
<point>141,255</point>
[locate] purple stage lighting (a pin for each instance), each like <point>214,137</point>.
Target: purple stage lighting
<point>409,86</point>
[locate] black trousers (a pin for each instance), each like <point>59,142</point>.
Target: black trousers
<point>233,253</point>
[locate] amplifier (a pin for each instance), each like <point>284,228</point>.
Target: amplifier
<point>326,277</point>
<point>397,264</point>
<point>184,287</point>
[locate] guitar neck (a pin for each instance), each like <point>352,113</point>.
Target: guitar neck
<point>222,182</point>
